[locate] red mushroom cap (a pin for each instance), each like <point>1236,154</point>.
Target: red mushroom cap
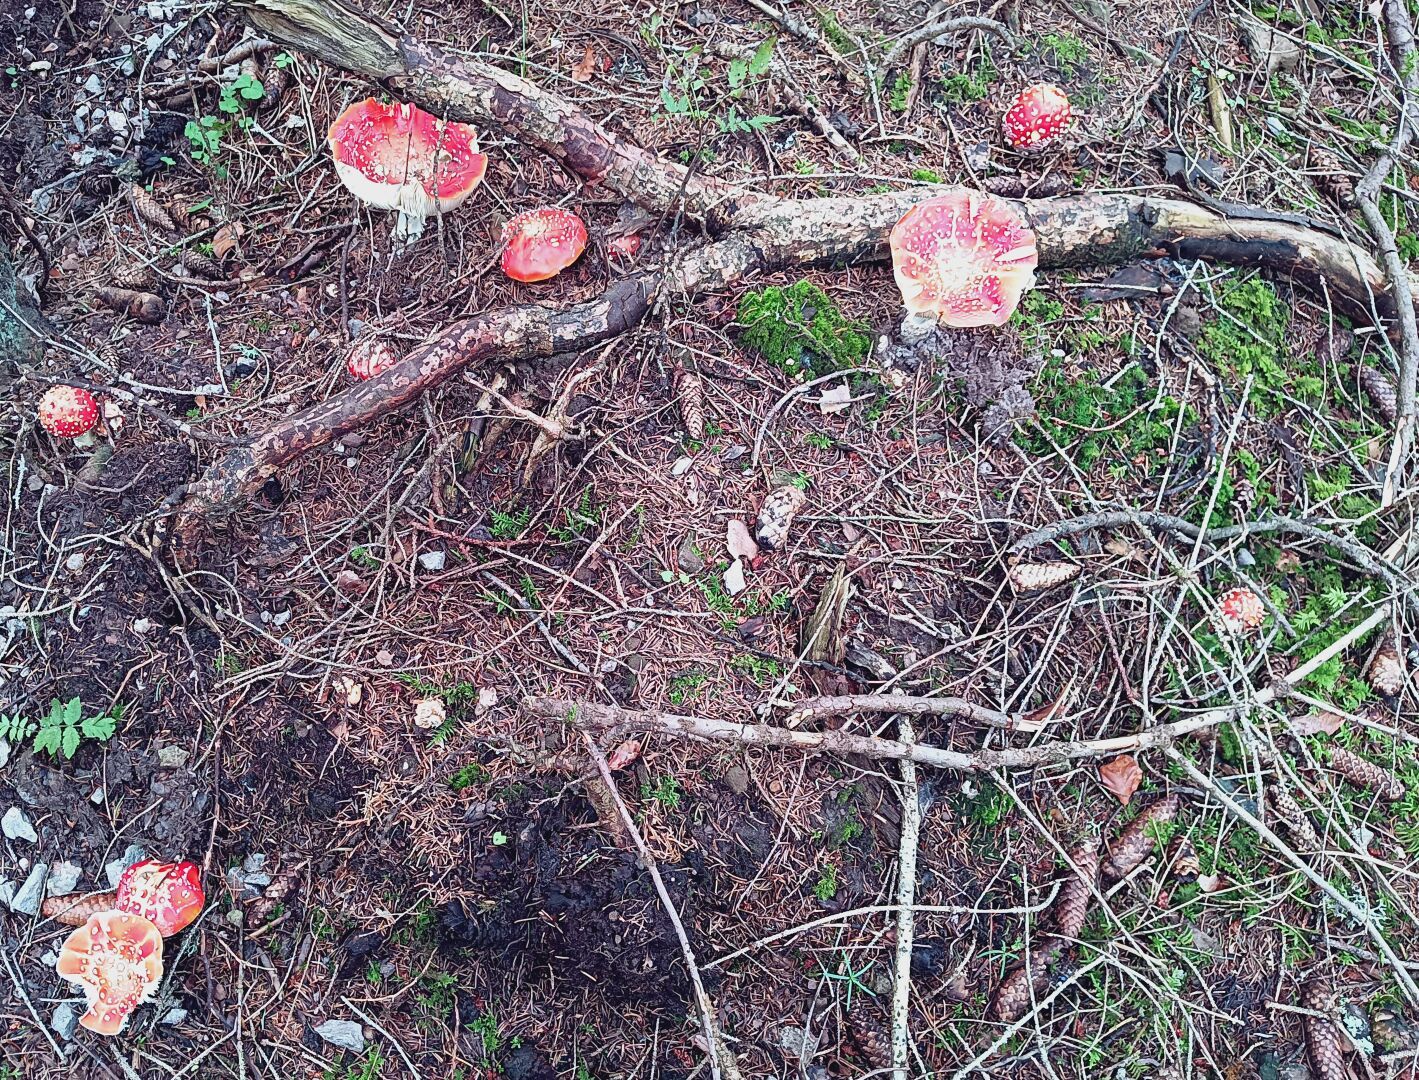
<point>369,357</point>
<point>1039,114</point>
<point>1241,609</point>
<point>66,412</point>
<point>398,157</point>
<point>117,957</point>
<point>964,257</point>
<point>539,244</point>
<point>625,246</point>
<point>168,894</point>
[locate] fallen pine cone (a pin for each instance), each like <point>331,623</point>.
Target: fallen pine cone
<point>872,1042</point>
<point>1330,178</point>
<point>132,275</point>
<point>146,307</point>
<point>1036,577</point>
<point>1072,905</point>
<point>1138,838</point>
<point>278,892</point>
<point>74,909</point>
<point>147,207</point>
<point>196,262</point>
<point>1381,391</point>
<point>1027,983</point>
<point>1387,669</point>
<point>1185,864</point>
<point>1292,816</point>
<point>691,389</point>
<point>1324,1048</point>
<point>275,83</point>
<point>777,515</point>
<point>1367,774</point>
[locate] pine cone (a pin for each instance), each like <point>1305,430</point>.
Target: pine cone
<point>1323,1039</point>
<point>874,1044</point>
<point>144,306</point>
<point>280,889</point>
<point>147,207</point>
<point>1071,907</point>
<point>132,275</point>
<point>1330,178</point>
<point>1007,187</point>
<point>777,515</point>
<point>99,184</point>
<point>692,403</point>
<point>1366,774</point>
<point>1185,864</point>
<point>202,265</point>
<point>74,909</point>
<point>274,84</point>
<point>1027,983</point>
<point>1381,391</point>
<point>1294,818</point>
<point>1137,839</point>
<point>1387,669</point>
<point>1243,497</point>
<point>1036,577</point>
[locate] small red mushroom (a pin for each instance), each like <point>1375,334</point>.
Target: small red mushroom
<point>539,244</point>
<point>117,958</point>
<point>964,257</point>
<point>1241,609</point>
<point>398,157</point>
<point>168,894</point>
<point>369,357</point>
<point>626,246</point>
<point>1039,114</point>
<point>66,412</point>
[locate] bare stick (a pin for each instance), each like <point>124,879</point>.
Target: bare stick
<point>719,1055</point>
<point>927,32</point>
<point>820,707</point>
<point>1402,56</point>
<point>906,916</point>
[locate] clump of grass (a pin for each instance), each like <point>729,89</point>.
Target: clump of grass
<point>800,330</point>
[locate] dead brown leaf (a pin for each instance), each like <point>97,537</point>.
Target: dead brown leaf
<point>225,240</point>
<point>1121,776</point>
<point>585,68</point>
<point>1319,722</point>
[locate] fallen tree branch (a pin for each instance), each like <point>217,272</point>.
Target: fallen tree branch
<point>822,707</point>
<point>931,30</point>
<point>1402,56</point>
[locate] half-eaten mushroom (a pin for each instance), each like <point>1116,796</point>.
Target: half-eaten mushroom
<point>168,894</point>
<point>1241,609</point>
<point>369,357</point>
<point>964,257</point>
<point>539,244</point>
<point>1040,113</point>
<point>66,412</point>
<point>117,958</point>
<point>398,157</point>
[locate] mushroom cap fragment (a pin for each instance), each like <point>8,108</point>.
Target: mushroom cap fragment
<point>540,244</point>
<point>167,894</point>
<point>117,958</point>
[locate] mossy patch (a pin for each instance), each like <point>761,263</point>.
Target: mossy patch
<point>1248,340</point>
<point>801,330</point>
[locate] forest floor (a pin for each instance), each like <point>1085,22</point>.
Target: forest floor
<point>449,889</point>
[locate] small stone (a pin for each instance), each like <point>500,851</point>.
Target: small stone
<point>254,863</point>
<point>117,122</point>
<point>142,626</point>
<point>75,562</point>
<point>27,897</point>
<point>7,891</point>
<point>734,583</point>
<point>93,85</point>
<point>688,559</point>
<point>681,466</point>
<point>173,1016</point>
<point>131,854</point>
<point>172,757</point>
<point>384,658</point>
<point>345,1034</point>
<point>16,826</point>
<point>64,878</point>
<point>433,560</point>
<point>64,1020</point>
<point>97,797</point>
<point>736,778</point>
<point>4,753</point>
<point>281,618</point>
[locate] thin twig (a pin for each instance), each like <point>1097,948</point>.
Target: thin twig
<point>932,30</point>
<point>906,916</point>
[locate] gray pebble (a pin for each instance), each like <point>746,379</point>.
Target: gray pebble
<point>27,897</point>
<point>432,560</point>
<point>16,826</point>
<point>132,854</point>
<point>64,1020</point>
<point>345,1034</point>
<point>173,1016</point>
<point>64,878</point>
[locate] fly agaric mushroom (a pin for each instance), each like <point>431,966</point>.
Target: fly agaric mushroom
<point>370,357</point>
<point>1039,114</point>
<point>66,412</point>
<point>1241,609</point>
<point>117,957</point>
<point>398,157</point>
<point>167,894</point>
<point>539,244</point>
<point>963,257</point>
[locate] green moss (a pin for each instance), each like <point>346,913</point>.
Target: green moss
<point>801,330</point>
<point>967,86</point>
<point>926,176</point>
<point>1249,341</point>
<point>901,93</point>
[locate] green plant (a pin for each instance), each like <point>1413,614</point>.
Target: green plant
<point>1067,50</point>
<point>963,87</point>
<point>468,775</point>
<point>361,556</point>
<point>509,525</point>
<point>436,993</point>
<point>926,176</point>
<point>371,1067</point>
<point>826,887</point>
<point>760,669</point>
<point>818,440</point>
<point>800,330</point>
<point>486,1028</point>
<point>901,92</point>
<point>62,730</point>
<point>665,791</point>
<point>585,515</point>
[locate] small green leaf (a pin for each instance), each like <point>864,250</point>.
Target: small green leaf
<point>737,73</point>
<point>47,739</point>
<point>283,60</point>
<point>763,56</point>
<point>98,727</point>
<point>73,709</point>
<point>70,741</point>
<point>499,839</point>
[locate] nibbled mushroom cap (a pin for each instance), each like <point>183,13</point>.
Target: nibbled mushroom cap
<point>117,958</point>
<point>398,157</point>
<point>1038,114</point>
<point>540,244</point>
<point>369,357</point>
<point>66,412</point>
<point>964,257</point>
<point>1241,609</point>
<point>168,894</point>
